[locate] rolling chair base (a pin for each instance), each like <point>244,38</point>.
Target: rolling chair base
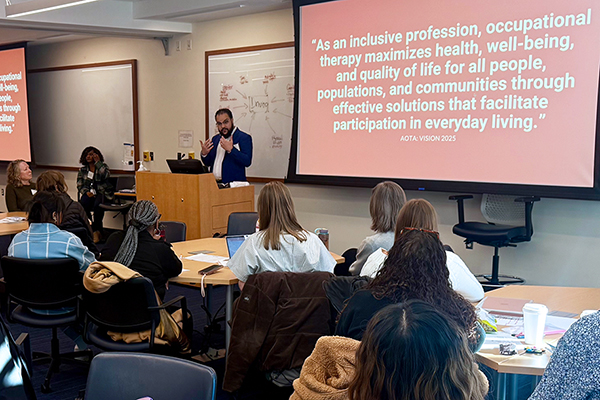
<point>489,283</point>
<point>56,358</point>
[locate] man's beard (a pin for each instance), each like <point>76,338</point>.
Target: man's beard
<point>228,134</point>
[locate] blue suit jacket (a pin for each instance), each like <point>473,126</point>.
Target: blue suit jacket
<point>236,162</point>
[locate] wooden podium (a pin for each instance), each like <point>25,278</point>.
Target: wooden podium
<point>193,199</point>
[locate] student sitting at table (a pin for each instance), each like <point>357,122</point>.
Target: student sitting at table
<point>74,216</point>
<point>19,188</point>
<point>44,239</point>
<point>415,269</point>
<point>574,369</point>
<point>142,249</point>
<point>409,351</point>
<point>281,244</point>
<point>419,213</point>
<point>386,202</point>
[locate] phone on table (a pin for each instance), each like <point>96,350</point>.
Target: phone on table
<point>210,270</point>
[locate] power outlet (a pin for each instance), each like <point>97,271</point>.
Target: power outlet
<point>189,44</point>
<point>151,156</point>
<point>178,45</point>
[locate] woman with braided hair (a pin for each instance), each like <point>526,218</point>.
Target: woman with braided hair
<point>141,248</point>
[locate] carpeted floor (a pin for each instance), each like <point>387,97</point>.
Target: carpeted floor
<point>67,383</point>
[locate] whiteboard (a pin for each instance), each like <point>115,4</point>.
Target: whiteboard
<point>78,106</point>
<point>257,85</point>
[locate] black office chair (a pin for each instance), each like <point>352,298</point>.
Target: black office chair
<point>126,376</point>
<point>48,284</point>
<point>241,223</point>
<point>127,307</point>
<point>174,231</point>
<point>502,214</point>
<point>118,205</point>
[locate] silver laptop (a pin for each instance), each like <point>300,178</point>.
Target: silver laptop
<point>234,243</point>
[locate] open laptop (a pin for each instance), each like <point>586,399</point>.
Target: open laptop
<point>234,243</point>
<point>189,166</point>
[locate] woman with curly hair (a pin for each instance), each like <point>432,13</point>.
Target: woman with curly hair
<point>19,188</point>
<point>93,187</point>
<point>419,213</point>
<point>415,269</point>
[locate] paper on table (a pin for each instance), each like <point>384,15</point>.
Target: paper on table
<point>207,258</point>
<point>493,340</point>
<point>10,220</point>
<point>514,325</point>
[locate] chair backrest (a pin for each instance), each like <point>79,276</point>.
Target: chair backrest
<point>43,284</point>
<point>502,209</point>
<point>129,376</point>
<point>124,182</point>
<point>85,236</point>
<point>242,223</point>
<point>174,231</point>
<point>124,307</point>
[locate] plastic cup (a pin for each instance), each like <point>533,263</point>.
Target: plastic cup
<point>534,322</point>
<point>586,313</point>
<point>323,234</point>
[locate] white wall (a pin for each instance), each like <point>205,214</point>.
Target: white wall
<point>565,249</point>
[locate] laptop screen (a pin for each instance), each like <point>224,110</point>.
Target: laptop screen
<point>234,243</point>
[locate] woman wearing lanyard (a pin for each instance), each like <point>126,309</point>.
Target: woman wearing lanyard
<point>93,187</point>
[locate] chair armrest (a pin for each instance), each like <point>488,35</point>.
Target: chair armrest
<point>528,200</point>
<point>80,308</point>
<point>187,327</point>
<point>460,199</point>
<point>170,303</point>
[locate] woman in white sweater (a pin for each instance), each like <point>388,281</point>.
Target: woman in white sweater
<point>281,244</point>
<point>419,213</point>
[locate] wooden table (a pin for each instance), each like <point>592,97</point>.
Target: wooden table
<point>222,277</point>
<point>568,299</point>
<point>15,227</point>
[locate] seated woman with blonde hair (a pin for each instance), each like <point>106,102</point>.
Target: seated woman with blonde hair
<point>19,189</point>
<point>387,199</point>
<point>410,351</point>
<point>419,213</point>
<point>281,244</point>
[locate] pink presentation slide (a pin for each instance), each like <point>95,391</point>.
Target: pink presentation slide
<point>464,90</point>
<point>14,121</point>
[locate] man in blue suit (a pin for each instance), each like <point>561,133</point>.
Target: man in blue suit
<point>229,153</point>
